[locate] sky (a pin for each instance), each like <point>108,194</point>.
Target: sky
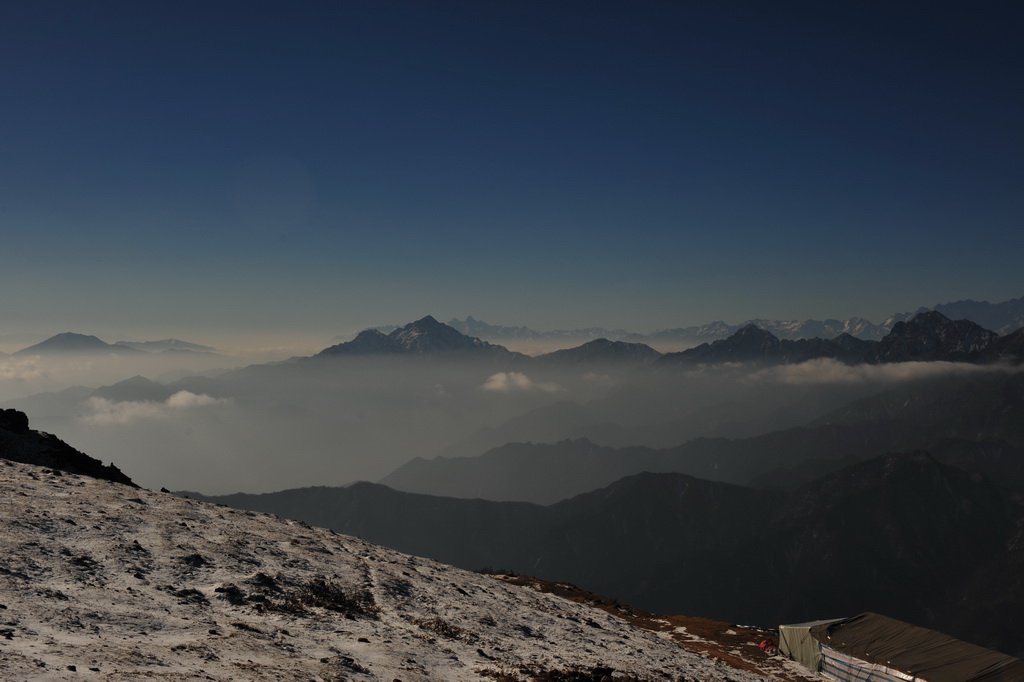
<point>262,171</point>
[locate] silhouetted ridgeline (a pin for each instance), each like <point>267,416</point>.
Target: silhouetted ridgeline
<point>21,444</point>
<point>928,336</point>
<point>68,343</point>
<point>974,421</point>
<point>601,351</point>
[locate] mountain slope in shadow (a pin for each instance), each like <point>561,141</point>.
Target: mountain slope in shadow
<point>900,534</point>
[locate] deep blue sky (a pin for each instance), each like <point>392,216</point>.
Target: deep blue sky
<point>195,169</point>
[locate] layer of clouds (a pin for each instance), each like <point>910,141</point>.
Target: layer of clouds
<point>507,382</point>
<point>828,371</point>
<point>21,369</point>
<point>103,411</point>
<point>26,375</point>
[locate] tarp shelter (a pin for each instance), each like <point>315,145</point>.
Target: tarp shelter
<point>796,642</point>
<point>874,648</point>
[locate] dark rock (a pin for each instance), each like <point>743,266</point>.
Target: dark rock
<point>232,593</point>
<point>191,595</point>
<point>18,443</point>
<point>14,421</point>
<point>195,560</point>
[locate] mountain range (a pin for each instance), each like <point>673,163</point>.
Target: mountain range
<point>70,343</point>
<point>975,422</point>
<point>928,336</point>
<point>428,336</point>
<point>1003,318</point>
<point>167,345</point>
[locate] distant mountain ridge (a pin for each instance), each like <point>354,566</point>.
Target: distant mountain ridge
<point>70,343</point>
<point>752,344</point>
<point>782,329</point>
<point>1003,318</point>
<point>428,337</point>
<point>985,435</point>
<point>603,351</point>
<point>136,388</point>
<point>480,329</point>
<point>928,336</point>
<point>164,345</point>
<point>424,337</point>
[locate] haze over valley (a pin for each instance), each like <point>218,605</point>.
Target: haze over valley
<point>360,409</point>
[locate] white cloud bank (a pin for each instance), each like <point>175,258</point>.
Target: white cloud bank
<point>506,382</point>
<point>828,371</point>
<point>104,411</point>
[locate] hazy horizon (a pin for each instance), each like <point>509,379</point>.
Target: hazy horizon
<point>276,344</point>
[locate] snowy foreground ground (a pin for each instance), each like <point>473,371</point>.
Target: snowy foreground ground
<point>101,581</point>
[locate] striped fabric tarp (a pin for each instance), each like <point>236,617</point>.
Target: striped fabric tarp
<point>850,669</point>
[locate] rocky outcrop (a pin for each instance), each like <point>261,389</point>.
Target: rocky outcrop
<point>18,443</point>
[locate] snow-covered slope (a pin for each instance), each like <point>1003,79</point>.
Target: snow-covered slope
<point>102,581</point>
